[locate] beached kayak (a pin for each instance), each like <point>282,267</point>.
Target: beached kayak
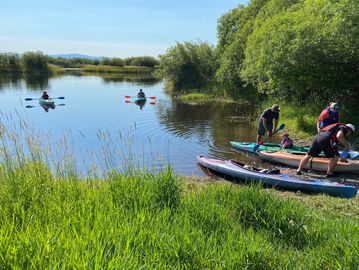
<point>249,147</point>
<point>274,178</point>
<point>318,164</point>
<point>48,102</point>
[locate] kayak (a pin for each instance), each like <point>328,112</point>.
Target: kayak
<point>48,102</point>
<point>318,164</point>
<point>138,99</point>
<point>249,147</point>
<point>274,178</point>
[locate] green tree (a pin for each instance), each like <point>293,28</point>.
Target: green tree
<point>35,62</point>
<point>188,65</point>
<point>10,63</point>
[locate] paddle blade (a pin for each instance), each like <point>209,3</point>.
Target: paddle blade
<point>281,127</point>
<point>152,103</point>
<point>256,147</point>
<point>127,101</point>
<point>29,106</point>
<point>59,98</point>
<point>152,97</point>
<point>353,154</point>
<point>27,99</point>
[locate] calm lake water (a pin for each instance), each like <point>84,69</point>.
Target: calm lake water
<point>99,130</point>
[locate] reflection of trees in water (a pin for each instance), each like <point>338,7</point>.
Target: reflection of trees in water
<point>37,82</point>
<point>137,79</point>
<point>223,121</point>
<point>10,81</point>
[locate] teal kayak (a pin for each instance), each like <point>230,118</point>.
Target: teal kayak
<point>249,147</point>
<point>46,102</point>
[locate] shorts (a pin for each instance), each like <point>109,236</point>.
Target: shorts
<point>262,130</point>
<point>322,142</point>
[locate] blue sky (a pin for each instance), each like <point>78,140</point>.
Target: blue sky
<point>110,28</point>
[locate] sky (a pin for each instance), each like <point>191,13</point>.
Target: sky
<point>111,28</point>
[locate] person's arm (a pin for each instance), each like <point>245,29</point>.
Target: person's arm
<point>324,115</point>
<point>341,139</point>
<point>275,125</point>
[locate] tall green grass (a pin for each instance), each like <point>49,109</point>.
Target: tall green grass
<point>54,218</point>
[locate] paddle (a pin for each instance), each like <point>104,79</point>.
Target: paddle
<point>138,97</point>
<point>129,101</point>
<point>28,99</point>
<point>29,106</point>
<point>258,145</point>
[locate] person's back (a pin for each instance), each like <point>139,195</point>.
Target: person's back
<point>328,116</point>
<point>45,95</point>
<point>141,94</point>
<point>286,141</point>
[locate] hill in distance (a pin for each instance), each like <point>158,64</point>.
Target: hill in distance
<point>76,55</point>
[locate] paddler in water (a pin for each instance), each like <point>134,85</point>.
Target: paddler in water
<point>327,140</point>
<point>330,115</point>
<point>266,122</point>
<point>141,94</point>
<point>45,95</point>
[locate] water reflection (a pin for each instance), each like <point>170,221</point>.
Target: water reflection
<point>12,81</point>
<point>140,103</point>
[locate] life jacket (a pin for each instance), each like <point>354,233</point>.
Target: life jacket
<point>333,129</point>
<point>333,117</point>
<point>286,143</point>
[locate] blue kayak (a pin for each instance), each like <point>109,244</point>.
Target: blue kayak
<point>274,178</point>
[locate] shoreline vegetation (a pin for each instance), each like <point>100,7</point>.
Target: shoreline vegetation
<point>164,221</point>
<point>51,217</point>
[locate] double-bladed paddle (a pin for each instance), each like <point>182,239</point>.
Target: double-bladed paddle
<point>29,106</point>
<point>138,97</point>
<point>281,127</point>
<point>28,99</point>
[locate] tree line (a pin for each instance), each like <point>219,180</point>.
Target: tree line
<point>37,62</point>
<point>298,49</point>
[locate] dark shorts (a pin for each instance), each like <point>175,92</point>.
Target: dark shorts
<point>322,142</point>
<point>262,130</point>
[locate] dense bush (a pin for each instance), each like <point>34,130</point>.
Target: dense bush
<point>35,62</point>
<point>10,62</point>
<point>188,65</point>
<point>146,61</point>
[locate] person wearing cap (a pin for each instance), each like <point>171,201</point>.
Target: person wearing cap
<point>286,141</point>
<point>330,115</point>
<point>327,140</point>
<point>141,94</point>
<point>266,122</point>
<point>45,95</point>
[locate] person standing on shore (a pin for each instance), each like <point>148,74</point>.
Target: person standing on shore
<point>266,122</point>
<point>327,140</point>
<point>328,116</point>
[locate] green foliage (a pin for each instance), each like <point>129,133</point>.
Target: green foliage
<point>118,62</point>
<point>188,65</point>
<point>35,62</point>
<point>145,61</point>
<point>72,62</point>
<point>10,63</point>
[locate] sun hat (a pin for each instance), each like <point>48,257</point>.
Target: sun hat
<point>275,108</point>
<point>352,127</point>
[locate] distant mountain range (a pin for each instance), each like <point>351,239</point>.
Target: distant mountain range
<point>76,55</point>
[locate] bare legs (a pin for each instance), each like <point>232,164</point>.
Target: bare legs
<point>331,165</point>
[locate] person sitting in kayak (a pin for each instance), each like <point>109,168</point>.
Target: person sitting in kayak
<point>141,94</point>
<point>286,141</point>
<point>45,95</point>
<point>327,140</point>
<point>328,116</point>
<point>266,122</point>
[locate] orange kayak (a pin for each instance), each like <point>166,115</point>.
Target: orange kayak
<point>318,164</point>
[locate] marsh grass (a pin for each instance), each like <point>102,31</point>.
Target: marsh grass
<point>113,69</point>
<point>137,219</point>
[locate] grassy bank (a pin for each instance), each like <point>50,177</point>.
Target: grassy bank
<point>160,221</point>
<point>113,69</point>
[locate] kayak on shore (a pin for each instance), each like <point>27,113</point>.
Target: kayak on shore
<point>317,163</point>
<point>273,178</point>
<point>249,147</point>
